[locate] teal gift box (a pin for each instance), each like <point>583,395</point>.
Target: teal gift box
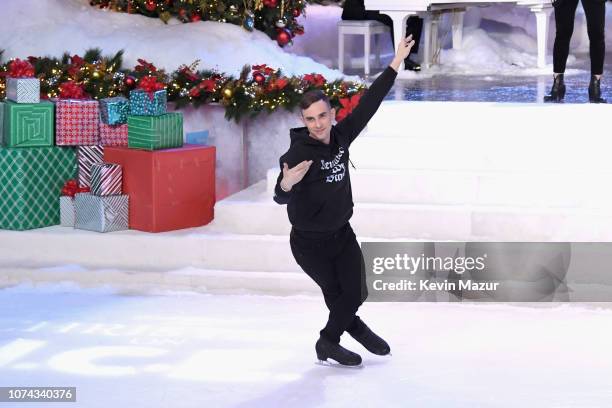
<point>114,111</point>
<point>148,104</point>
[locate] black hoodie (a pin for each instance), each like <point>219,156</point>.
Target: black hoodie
<point>323,201</point>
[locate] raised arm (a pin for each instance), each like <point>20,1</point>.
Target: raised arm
<point>355,121</point>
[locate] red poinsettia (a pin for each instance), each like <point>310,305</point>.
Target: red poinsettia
<point>315,79</point>
<point>20,69</point>
<point>76,63</point>
<point>207,85</point>
<point>72,90</point>
<point>144,66</point>
<point>277,84</point>
<point>264,69</point>
<point>189,73</point>
<point>348,104</point>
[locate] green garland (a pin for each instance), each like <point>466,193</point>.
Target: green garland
<point>277,18</point>
<point>257,89</point>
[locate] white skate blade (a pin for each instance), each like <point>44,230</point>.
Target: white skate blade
<point>334,363</point>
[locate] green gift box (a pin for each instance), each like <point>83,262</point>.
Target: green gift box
<point>27,124</point>
<point>155,132</point>
<point>30,183</point>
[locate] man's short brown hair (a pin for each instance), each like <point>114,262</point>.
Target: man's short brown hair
<point>311,97</point>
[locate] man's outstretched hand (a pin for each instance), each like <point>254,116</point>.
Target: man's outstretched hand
<point>403,50</point>
<point>292,176</point>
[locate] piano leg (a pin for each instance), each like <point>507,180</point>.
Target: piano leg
<point>399,26</point>
<point>366,54</point>
<point>542,14</point>
<point>458,29</point>
<point>430,38</point>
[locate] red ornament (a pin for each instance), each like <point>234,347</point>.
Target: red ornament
<point>296,13</point>
<point>195,18</point>
<point>283,38</point>
<point>259,78</point>
<point>150,5</point>
<point>130,81</point>
<point>270,3</point>
<point>182,12</point>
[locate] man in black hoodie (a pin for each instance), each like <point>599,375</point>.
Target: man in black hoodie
<point>315,184</point>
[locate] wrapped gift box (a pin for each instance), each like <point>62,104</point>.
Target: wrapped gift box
<point>200,137</point>
<point>30,182</point>
<point>144,104</point>
<point>113,135</point>
<point>77,122</point>
<point>26,124</point>
<point>66,211</point>
<point>169,189</point>
<point>101,214</point>
<point>87,156</point>
<point>23,90</point>
<point>105,179</point>
<point>114,111</point>
<point>155,132</point>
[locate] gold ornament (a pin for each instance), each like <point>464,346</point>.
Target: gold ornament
<point>96,74</point>
<point>228,92</point>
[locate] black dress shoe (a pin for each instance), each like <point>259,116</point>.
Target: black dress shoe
<point>557,93</point>
<point>370,340</point>
<point>595,90</point>
<point>326,349</point>
<point>410,65</point>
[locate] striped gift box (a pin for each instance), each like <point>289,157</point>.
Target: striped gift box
<point>66,211</point>
<point>155,132</point>
<point>23,90</point>
<point>101,214</point>
<point>88,156</point>
<point>106,179</point>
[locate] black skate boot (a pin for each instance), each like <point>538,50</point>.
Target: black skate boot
<point>370,340</point>
<point>326,349</point>
<point>595,90</point>
<point>557,93</point>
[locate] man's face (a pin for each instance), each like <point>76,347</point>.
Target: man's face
<point>319,118</point>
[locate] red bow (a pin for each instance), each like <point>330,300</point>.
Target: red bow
<point>72,90</point>
<point>150,85</point>
<point>76,63</point>
<point>71,188</point>
<point>189,74</point>
<point>315,79</point>
<point>20,69</point>
<point>348,104</point>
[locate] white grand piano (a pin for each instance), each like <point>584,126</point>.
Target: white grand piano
<point>431,10</point>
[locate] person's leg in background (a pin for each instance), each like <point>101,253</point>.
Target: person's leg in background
<point>565,11</point>
<point>595,12</point>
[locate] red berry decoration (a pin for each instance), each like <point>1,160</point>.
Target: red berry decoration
<point>259,78</point>
<point>150,5</point>
<point>296,13</point>
<point>283,38</point>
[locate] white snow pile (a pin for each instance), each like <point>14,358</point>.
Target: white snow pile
<point>50,27</point>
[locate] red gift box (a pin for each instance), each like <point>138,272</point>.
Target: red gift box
<point>77,122</point>
<point>169,189</point>
<point>113,135</point>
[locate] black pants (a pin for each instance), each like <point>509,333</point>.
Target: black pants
<point>354,10</point>
<point>565,11</point>
<point>336,264</point>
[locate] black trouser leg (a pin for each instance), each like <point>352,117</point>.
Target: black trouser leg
<point>564,22</point>
<point>595,12</point>
<point>414,25</point>
<point>336,265</point>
